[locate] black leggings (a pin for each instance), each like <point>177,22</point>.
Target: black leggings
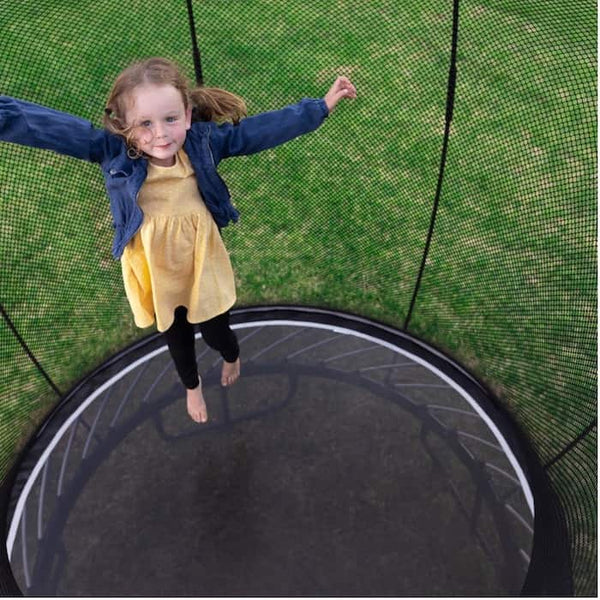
<point>180,339</point>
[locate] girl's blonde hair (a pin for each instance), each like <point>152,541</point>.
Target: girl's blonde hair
<point>208,103</point>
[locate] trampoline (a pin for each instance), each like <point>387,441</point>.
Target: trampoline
<point>350,459</point>
<point>417,313</point>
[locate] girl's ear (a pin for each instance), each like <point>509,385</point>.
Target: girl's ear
<point>188,118</point>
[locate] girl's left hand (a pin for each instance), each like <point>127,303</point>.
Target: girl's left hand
<point>342,88</point>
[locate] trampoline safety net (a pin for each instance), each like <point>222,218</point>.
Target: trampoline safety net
<point>454,201</point>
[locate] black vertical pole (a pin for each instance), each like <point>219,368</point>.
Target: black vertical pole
<point>29,353</point>
<point>195,49</point>
<point>449,113</point>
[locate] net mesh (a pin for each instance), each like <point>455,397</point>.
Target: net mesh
<point>339,218</point>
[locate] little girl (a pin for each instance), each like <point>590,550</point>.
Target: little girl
<point>159,154</point>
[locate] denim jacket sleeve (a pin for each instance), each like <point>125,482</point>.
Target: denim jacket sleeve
<point>30,124</point>
<point>267,130</point>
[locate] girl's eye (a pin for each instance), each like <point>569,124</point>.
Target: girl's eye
<point>171,119</point>
<point>145,124</point>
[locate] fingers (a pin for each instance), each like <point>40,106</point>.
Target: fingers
<point>344,81</point>
<point>341,88</point>
<point>344,87</point>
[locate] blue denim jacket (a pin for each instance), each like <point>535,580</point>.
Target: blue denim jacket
<point>206,144</point>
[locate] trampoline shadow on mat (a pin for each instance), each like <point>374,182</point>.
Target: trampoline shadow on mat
<point>341,463</point>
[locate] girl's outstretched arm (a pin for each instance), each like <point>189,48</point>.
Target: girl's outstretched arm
<point>270,129</point>
<point>266,130</point>
<point>30,124</point>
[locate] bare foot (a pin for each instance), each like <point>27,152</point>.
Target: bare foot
<point>230,372</point>
<point>196,405</point>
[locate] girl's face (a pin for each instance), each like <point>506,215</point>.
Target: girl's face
<point>160,120</point>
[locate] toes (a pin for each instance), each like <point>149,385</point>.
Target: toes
<point>228,380</point>
<point>230,373</point>
<point>199,415</point>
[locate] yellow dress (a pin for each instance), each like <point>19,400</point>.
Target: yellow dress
<point>177,257</point>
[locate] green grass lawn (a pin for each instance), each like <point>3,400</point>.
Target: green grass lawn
<point>338,218</point>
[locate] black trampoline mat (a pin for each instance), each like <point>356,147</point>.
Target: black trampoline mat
<point>339,464</point>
